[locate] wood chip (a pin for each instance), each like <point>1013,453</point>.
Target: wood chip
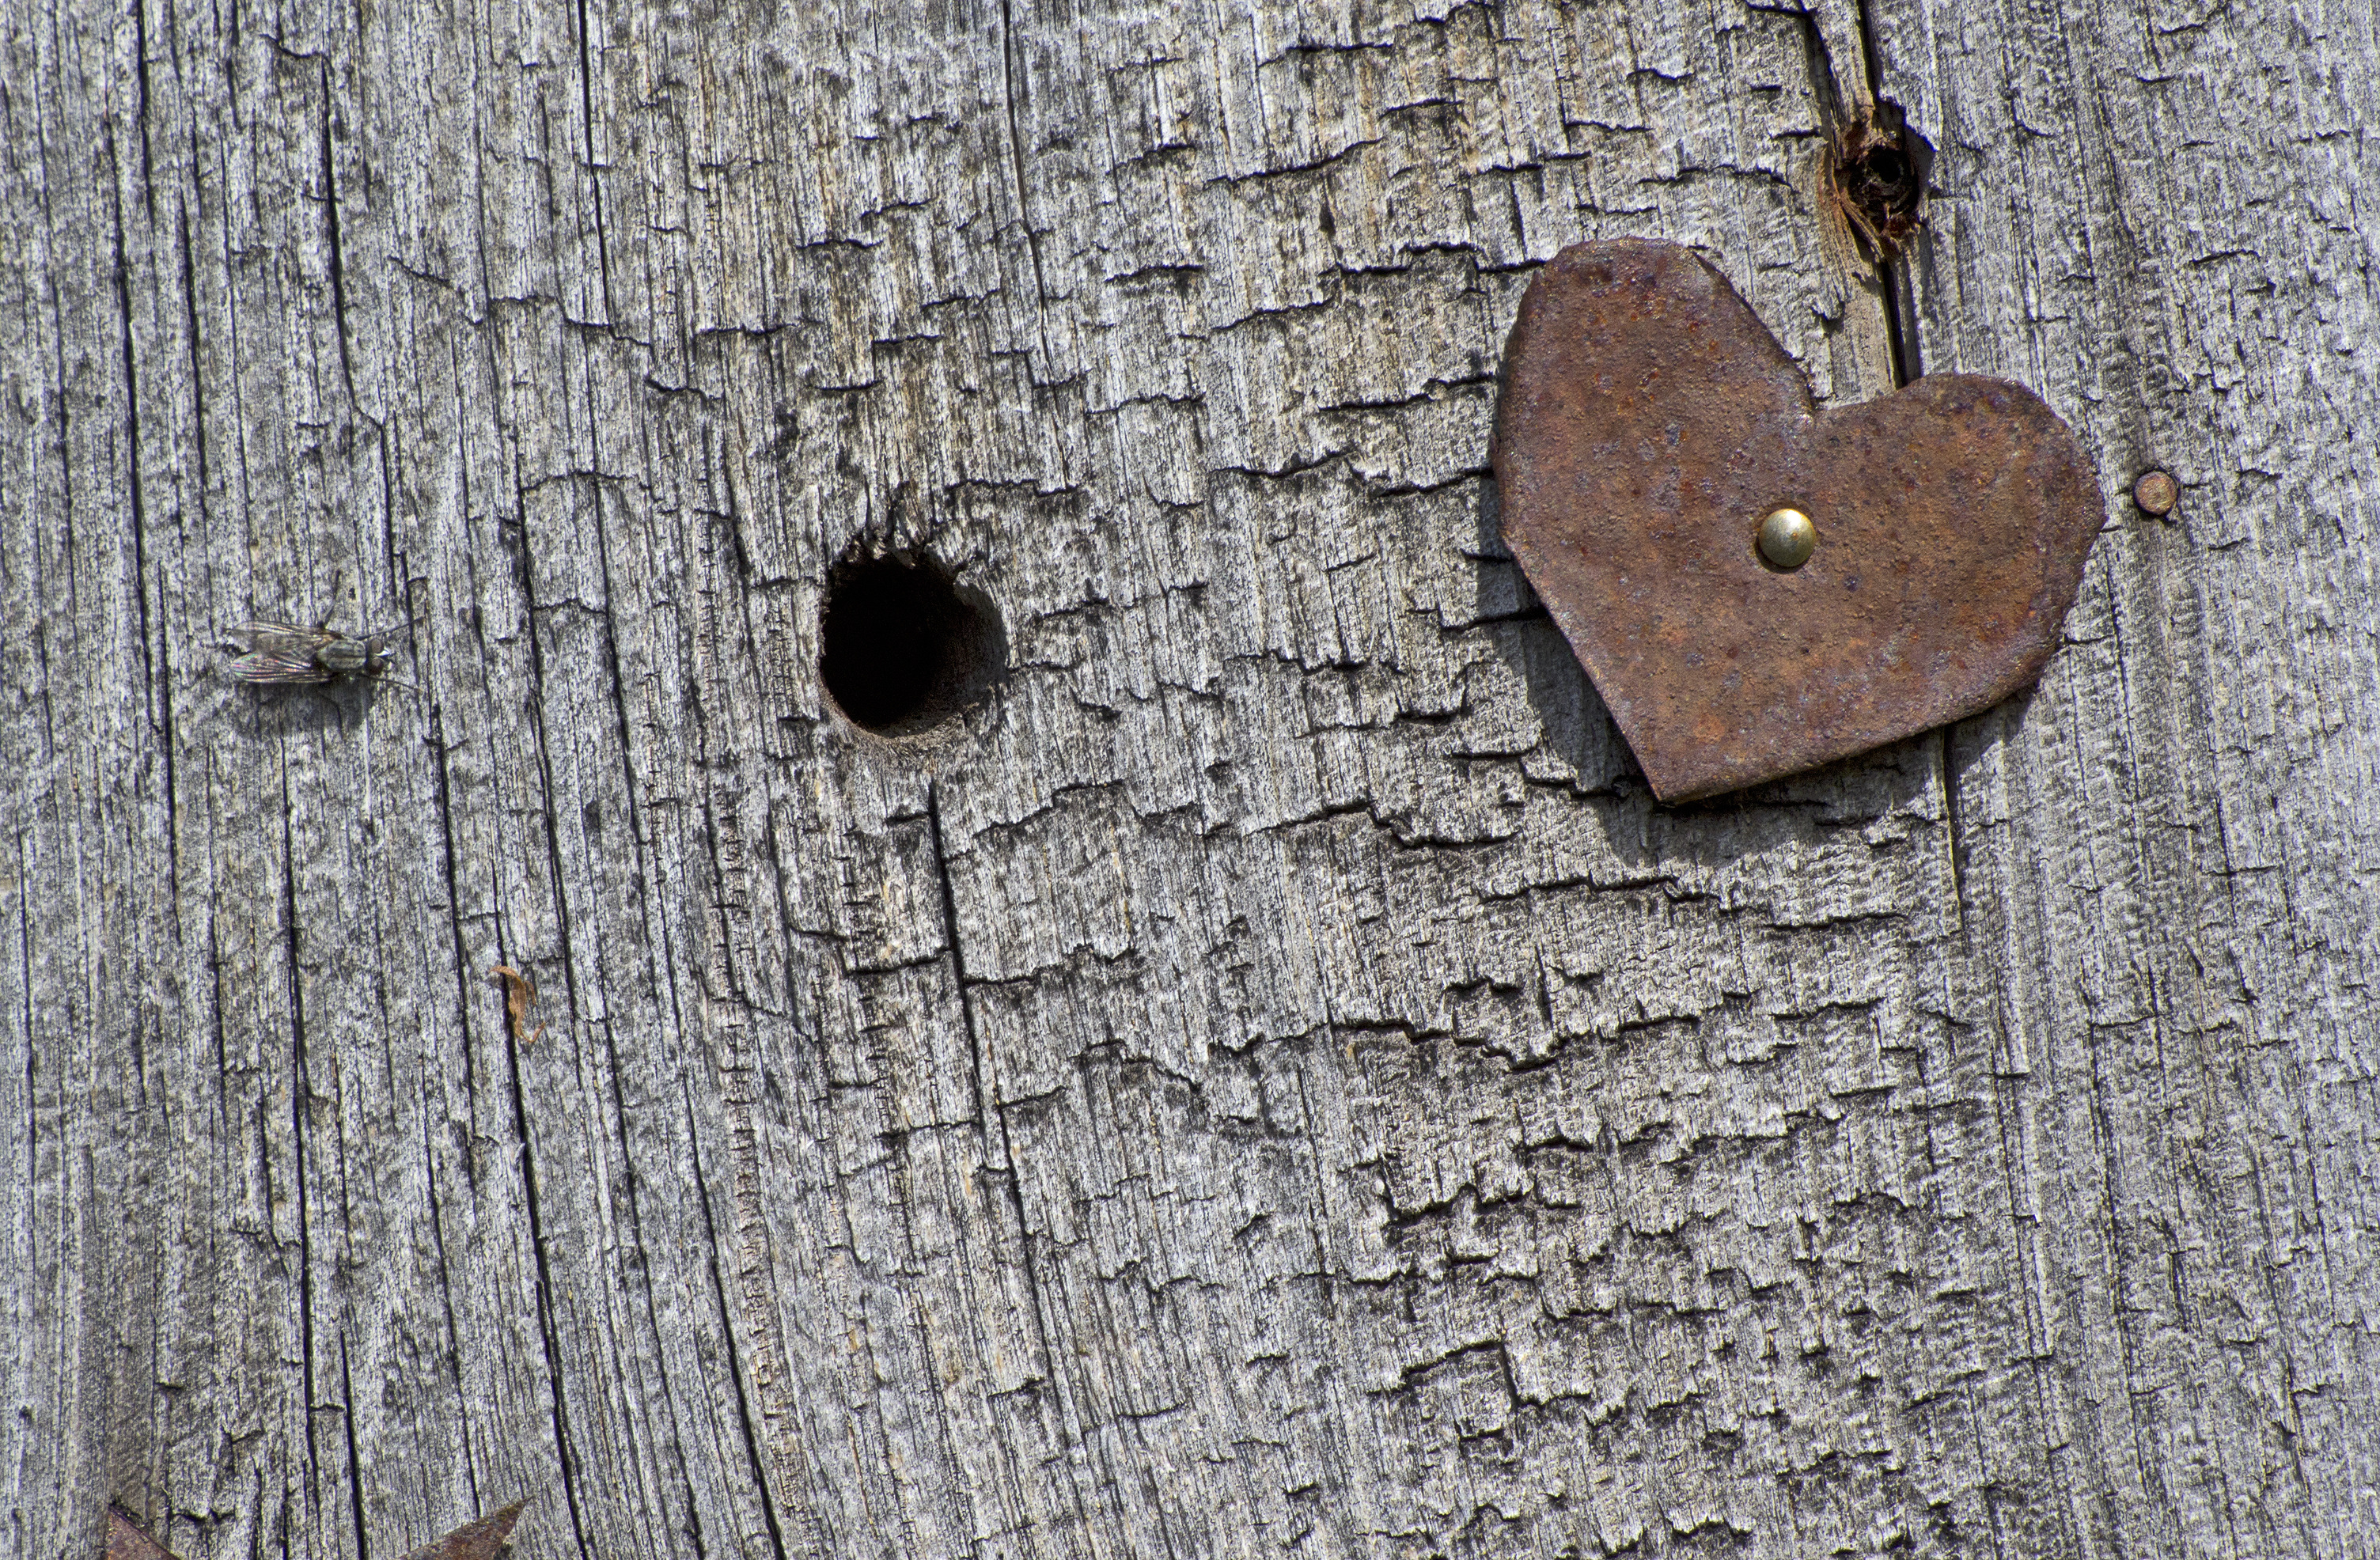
<point>126,1540</point>
<point>473,1540</point>
<point>520,996</point>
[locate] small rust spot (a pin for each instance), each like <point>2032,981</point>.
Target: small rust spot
<point>2157,492</point>
<point>1877,168</point>
<point>1648,423</point>
<point>520,997</point>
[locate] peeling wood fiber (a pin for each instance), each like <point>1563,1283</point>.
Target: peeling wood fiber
<point>1269,1078</point>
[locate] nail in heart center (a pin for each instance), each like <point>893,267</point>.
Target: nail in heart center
<point>1650,434</point>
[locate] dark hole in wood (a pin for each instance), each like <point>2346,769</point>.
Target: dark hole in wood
<point>904,647</point>
<point>1880,166</point>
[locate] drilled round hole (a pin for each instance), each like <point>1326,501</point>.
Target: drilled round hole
<point>902,646</point>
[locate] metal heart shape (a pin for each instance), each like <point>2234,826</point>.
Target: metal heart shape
<point>1650,423</point>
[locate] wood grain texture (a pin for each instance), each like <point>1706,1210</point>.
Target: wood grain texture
<point>1270,1079</point>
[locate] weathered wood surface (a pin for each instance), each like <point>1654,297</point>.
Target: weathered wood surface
<point>1269,1081</point>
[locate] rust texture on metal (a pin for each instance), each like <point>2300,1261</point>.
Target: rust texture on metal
<point>1650,423</point>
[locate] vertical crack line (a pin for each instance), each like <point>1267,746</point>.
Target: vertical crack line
<point>727,1034</point>
<point>338,255</point>
<point>986,1111</point>
<point>631,788</point>
<point>299,1099</point>
<point>355,1463</point>
<point>546,1325</point>
<point>1867,50</point>
<point>992,1119</point>
<point>156,667</point>
<point>2009,1123</point>
<point>622,731</point>
<point>1898,332</point>
<point>141,107</point>
<point>445,799</point>
<point>1952,824</point>
<point>1900,296</point>
<point>61,398</point>
<point>1819,61</point>
<point>752,1451</point>
<point>165,744</point>
<point>631,1183</point>
<point>444,783</point>
<point>547,1333</point>
<point>1326,1271</point>
<point>453,1336</point>
<point>134,492</point>
<point>198,373</point>
<point>399,586</point>
<point>594,178</point>
<point>24,1290</point>
<point>1008,73</point>
<point>1835,117</point>
<point>545,766</point>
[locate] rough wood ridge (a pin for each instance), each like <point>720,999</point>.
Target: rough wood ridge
<point>1270,1080</point>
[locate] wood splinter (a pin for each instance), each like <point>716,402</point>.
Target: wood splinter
<point>520,996</point>
<point>474,1541</point>
<point>128,1541</point>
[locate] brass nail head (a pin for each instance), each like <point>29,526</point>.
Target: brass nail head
<point>2157,492</point>
<point>1787,539</point>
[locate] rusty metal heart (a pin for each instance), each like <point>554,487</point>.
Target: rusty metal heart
<point>1649,422</point>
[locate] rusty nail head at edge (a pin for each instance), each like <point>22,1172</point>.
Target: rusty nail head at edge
<point>1646,411</point>
<point>2157,492</point>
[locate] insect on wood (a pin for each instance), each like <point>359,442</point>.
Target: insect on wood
<point>284,653</point>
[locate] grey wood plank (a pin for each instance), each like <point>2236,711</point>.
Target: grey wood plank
<point>1270,1076</point>
<point>2148,214</point>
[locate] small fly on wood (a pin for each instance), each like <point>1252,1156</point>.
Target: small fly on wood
<point>280,652</point>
